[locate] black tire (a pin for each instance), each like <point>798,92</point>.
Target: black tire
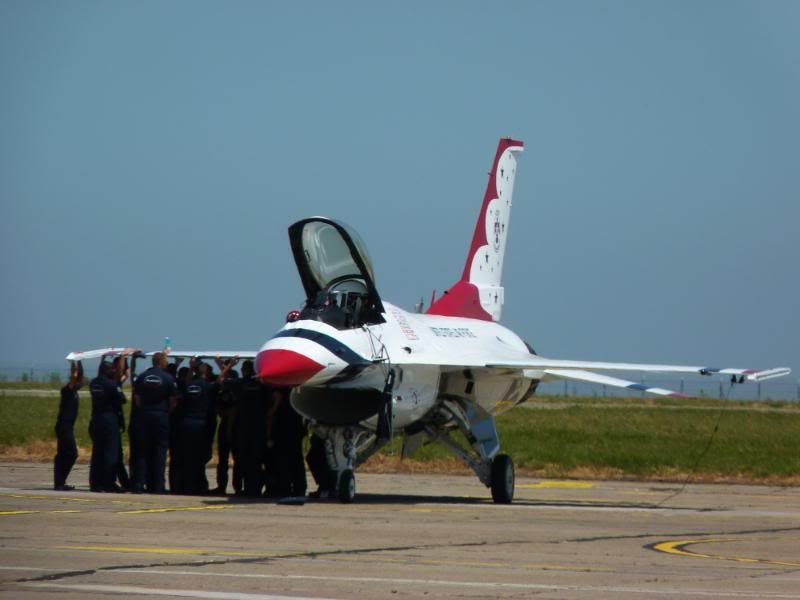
<point>347,487</point>
<point>502,479</point>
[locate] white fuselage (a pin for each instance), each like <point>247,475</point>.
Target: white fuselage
<point>432,357</point>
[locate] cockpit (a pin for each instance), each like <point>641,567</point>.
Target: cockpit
<point>336,273</point>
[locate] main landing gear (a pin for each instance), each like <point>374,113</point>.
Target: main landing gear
<point>496,471</point>
<point>502,479</point>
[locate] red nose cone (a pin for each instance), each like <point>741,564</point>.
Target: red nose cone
<point>285,368</point>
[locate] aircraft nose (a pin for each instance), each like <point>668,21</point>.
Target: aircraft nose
<point>285,367</point>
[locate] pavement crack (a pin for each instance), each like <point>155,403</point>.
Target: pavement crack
<point>267,558</point>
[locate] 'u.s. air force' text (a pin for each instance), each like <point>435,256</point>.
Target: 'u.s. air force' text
<point>453,332</point>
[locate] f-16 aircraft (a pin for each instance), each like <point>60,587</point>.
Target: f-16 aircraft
<point>362,370</point>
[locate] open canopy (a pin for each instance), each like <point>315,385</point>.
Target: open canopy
<point>336,273</point>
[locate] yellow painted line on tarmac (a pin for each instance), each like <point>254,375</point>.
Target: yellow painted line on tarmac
<point>564,485</point>
<point>141,511</point>
<point>678,548</point>
<point>73,499</point>
<point>30,497</point>
<point>36,512</point>
<point>158,550</point>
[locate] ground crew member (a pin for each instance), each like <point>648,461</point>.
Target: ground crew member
<point>121,375</point>
<point>155,394</point>
<point>214,389</point>
<point>286,431</point>
<point>227,432</point>
<point>107,399</point>
<point>133,433</point>
<point>66,448</point>
<point>175,418</point>
<point>195,402</point>
<point>253,399</point>
<point>323,475</point>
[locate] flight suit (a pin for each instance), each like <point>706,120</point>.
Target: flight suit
<point>175,470</point>
<point>228,439</point>
<point>214,391</point>
<point>154,388</point>
<point>193,436</point>
<point>104,428</point>
<point>253,399</point>
<point>66,448</point>
<point>317,462</point>
<point>288,431</point>
<point>133,445</point>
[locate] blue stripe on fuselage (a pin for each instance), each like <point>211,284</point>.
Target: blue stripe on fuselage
<point>330,343</point>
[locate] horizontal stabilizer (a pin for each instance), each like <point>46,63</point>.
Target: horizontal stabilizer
<point>589,377</point>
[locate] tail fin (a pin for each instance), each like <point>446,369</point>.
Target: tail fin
<point>478,294</point>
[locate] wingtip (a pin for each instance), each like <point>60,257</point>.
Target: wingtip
<point>759,376</point>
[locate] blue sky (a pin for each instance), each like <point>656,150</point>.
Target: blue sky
<point>152,155</point>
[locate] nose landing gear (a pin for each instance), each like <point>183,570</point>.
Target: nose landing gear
<point>347,486</point>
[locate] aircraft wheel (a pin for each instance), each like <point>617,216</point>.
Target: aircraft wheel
<point>502,479</point>
<point>347,487</point>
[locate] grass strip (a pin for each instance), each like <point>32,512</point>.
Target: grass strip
<point>554,437</point>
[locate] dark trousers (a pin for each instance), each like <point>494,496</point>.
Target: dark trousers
<point>153,440</point>
<point>133,446</point>
<point>317,461</point>
<point>228,448</point>
<point>175,470</point>
<point>104,429</point>
<point>290,470</point>
<point>122,473</point>
<point>66,453</point>
<point>193,439</point>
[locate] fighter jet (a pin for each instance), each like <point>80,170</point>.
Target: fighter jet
<point>362,370</point>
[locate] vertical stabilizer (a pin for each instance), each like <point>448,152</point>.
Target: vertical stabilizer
<point>479,293</point>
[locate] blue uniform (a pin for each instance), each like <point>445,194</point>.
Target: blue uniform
<point>67,449</point>
<point>195,404</point>
<point>107,399</point>
<point>253,401</point>
<point>288,432</point>
<point>227,439</point>
<point>154,388</point>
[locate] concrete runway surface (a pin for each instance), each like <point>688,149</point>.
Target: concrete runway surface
<point>405,536</point>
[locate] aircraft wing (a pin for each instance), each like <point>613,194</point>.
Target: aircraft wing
<point>589,377</point>
<point>535,362</point>
<point>108,352</point>
<point>243,354</point>
<point>99,352</point>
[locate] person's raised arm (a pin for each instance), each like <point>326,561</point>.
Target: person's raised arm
<point>225,368</point>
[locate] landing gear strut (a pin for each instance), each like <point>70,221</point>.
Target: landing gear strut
<point>496,471</point>
<point>347,486</point>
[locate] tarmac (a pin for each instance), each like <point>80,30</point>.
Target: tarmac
<point>419,536</point>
